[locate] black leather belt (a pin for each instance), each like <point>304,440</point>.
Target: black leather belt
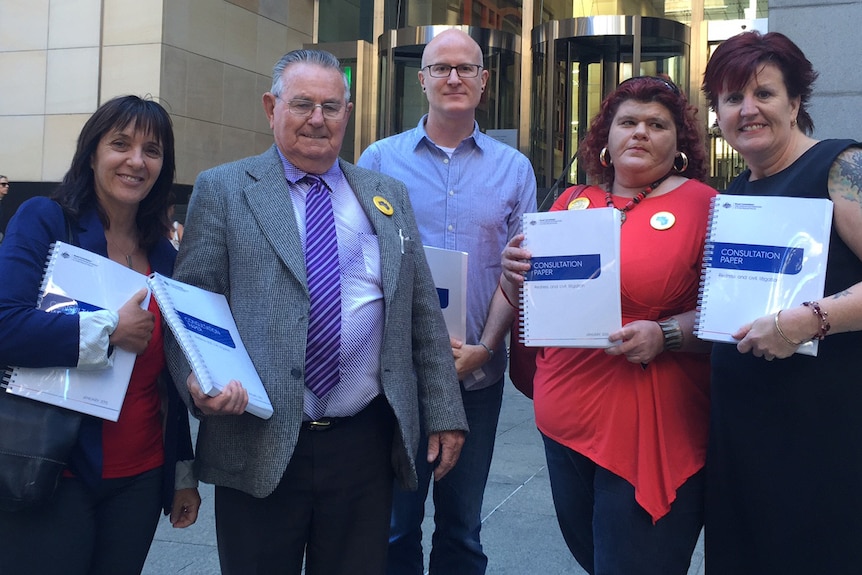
<point>327,423</point>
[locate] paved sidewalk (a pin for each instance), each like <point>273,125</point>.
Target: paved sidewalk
<point>520,533</point>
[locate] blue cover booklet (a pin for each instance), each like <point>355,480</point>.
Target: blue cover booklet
<point>571,295</point>
<point>203,325</point>
<point>75,281</point>
<point>763,254</point>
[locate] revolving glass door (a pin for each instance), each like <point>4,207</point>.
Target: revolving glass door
<point>576,63</point>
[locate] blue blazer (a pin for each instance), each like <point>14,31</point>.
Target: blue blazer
<point>32,338</point>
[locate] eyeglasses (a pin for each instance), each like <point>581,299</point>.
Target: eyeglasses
<point>4,184</point>
<point>655,79</point>
<point>444,70</point>
<point>305,108</point>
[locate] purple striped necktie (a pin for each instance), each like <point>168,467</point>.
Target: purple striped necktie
<point>323,350</point>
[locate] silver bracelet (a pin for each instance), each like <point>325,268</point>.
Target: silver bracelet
<point>672,333</point>
<point>489,350</point>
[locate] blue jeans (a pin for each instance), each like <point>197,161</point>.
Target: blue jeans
<point>455,545</point>
<point>607,531</point>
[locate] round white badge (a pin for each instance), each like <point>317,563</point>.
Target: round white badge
<point>662,221</point>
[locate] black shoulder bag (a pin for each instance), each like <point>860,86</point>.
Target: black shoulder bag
<point>36,443</point>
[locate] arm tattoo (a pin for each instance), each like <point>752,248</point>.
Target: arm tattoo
<point>845,176</point>
<point>842,293</point>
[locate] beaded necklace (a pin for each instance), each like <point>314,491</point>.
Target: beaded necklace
<point>609,197</point>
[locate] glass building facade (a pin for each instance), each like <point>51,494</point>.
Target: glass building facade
<point>551,63</point>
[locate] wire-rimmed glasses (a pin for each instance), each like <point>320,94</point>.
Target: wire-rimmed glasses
<point>305,108</point>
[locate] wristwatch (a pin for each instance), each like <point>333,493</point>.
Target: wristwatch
<point>672,333</point>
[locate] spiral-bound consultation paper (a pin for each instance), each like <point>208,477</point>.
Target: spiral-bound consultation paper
<point>77,280</point>
<point>571,295</point>
<point>763,254</point>
<point>204,327</point>
<point>449,270</point>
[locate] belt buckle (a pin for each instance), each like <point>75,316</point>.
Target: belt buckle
<point>320,425</point>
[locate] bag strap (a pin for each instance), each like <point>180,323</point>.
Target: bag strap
<point>69,235</point>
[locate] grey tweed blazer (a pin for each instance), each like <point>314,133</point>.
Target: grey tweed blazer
<point>241,239</point>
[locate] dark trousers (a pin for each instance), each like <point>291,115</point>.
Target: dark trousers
<point>107,531</point>
<point>332,505</point>
<point>607,531</point>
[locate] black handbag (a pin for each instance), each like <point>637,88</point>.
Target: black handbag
<point>36,443</point>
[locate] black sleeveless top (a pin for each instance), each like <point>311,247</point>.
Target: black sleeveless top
<point>784,464</point>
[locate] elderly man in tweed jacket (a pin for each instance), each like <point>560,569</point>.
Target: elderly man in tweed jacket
<point>313,482</point>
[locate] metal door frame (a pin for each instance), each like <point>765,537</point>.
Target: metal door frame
<point>545,37</point>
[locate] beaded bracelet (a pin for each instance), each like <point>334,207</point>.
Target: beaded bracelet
<point>782,334</point>
<point>506,297</point>
<point>825,326</point>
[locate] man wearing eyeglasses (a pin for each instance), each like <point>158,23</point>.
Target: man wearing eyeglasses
<point>4,189</point>
<point>330,289</point>
<point>469,192</point>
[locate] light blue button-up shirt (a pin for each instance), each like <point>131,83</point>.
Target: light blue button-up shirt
<point>471,202</point>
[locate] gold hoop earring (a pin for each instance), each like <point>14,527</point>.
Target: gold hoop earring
<point>684,162</point>
<point>605,158</point>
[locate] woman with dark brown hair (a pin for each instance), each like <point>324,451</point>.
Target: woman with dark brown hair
<point>113,201</point>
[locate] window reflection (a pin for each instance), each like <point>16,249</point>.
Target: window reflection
<point>502,15</point>
<point>679,10</point>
